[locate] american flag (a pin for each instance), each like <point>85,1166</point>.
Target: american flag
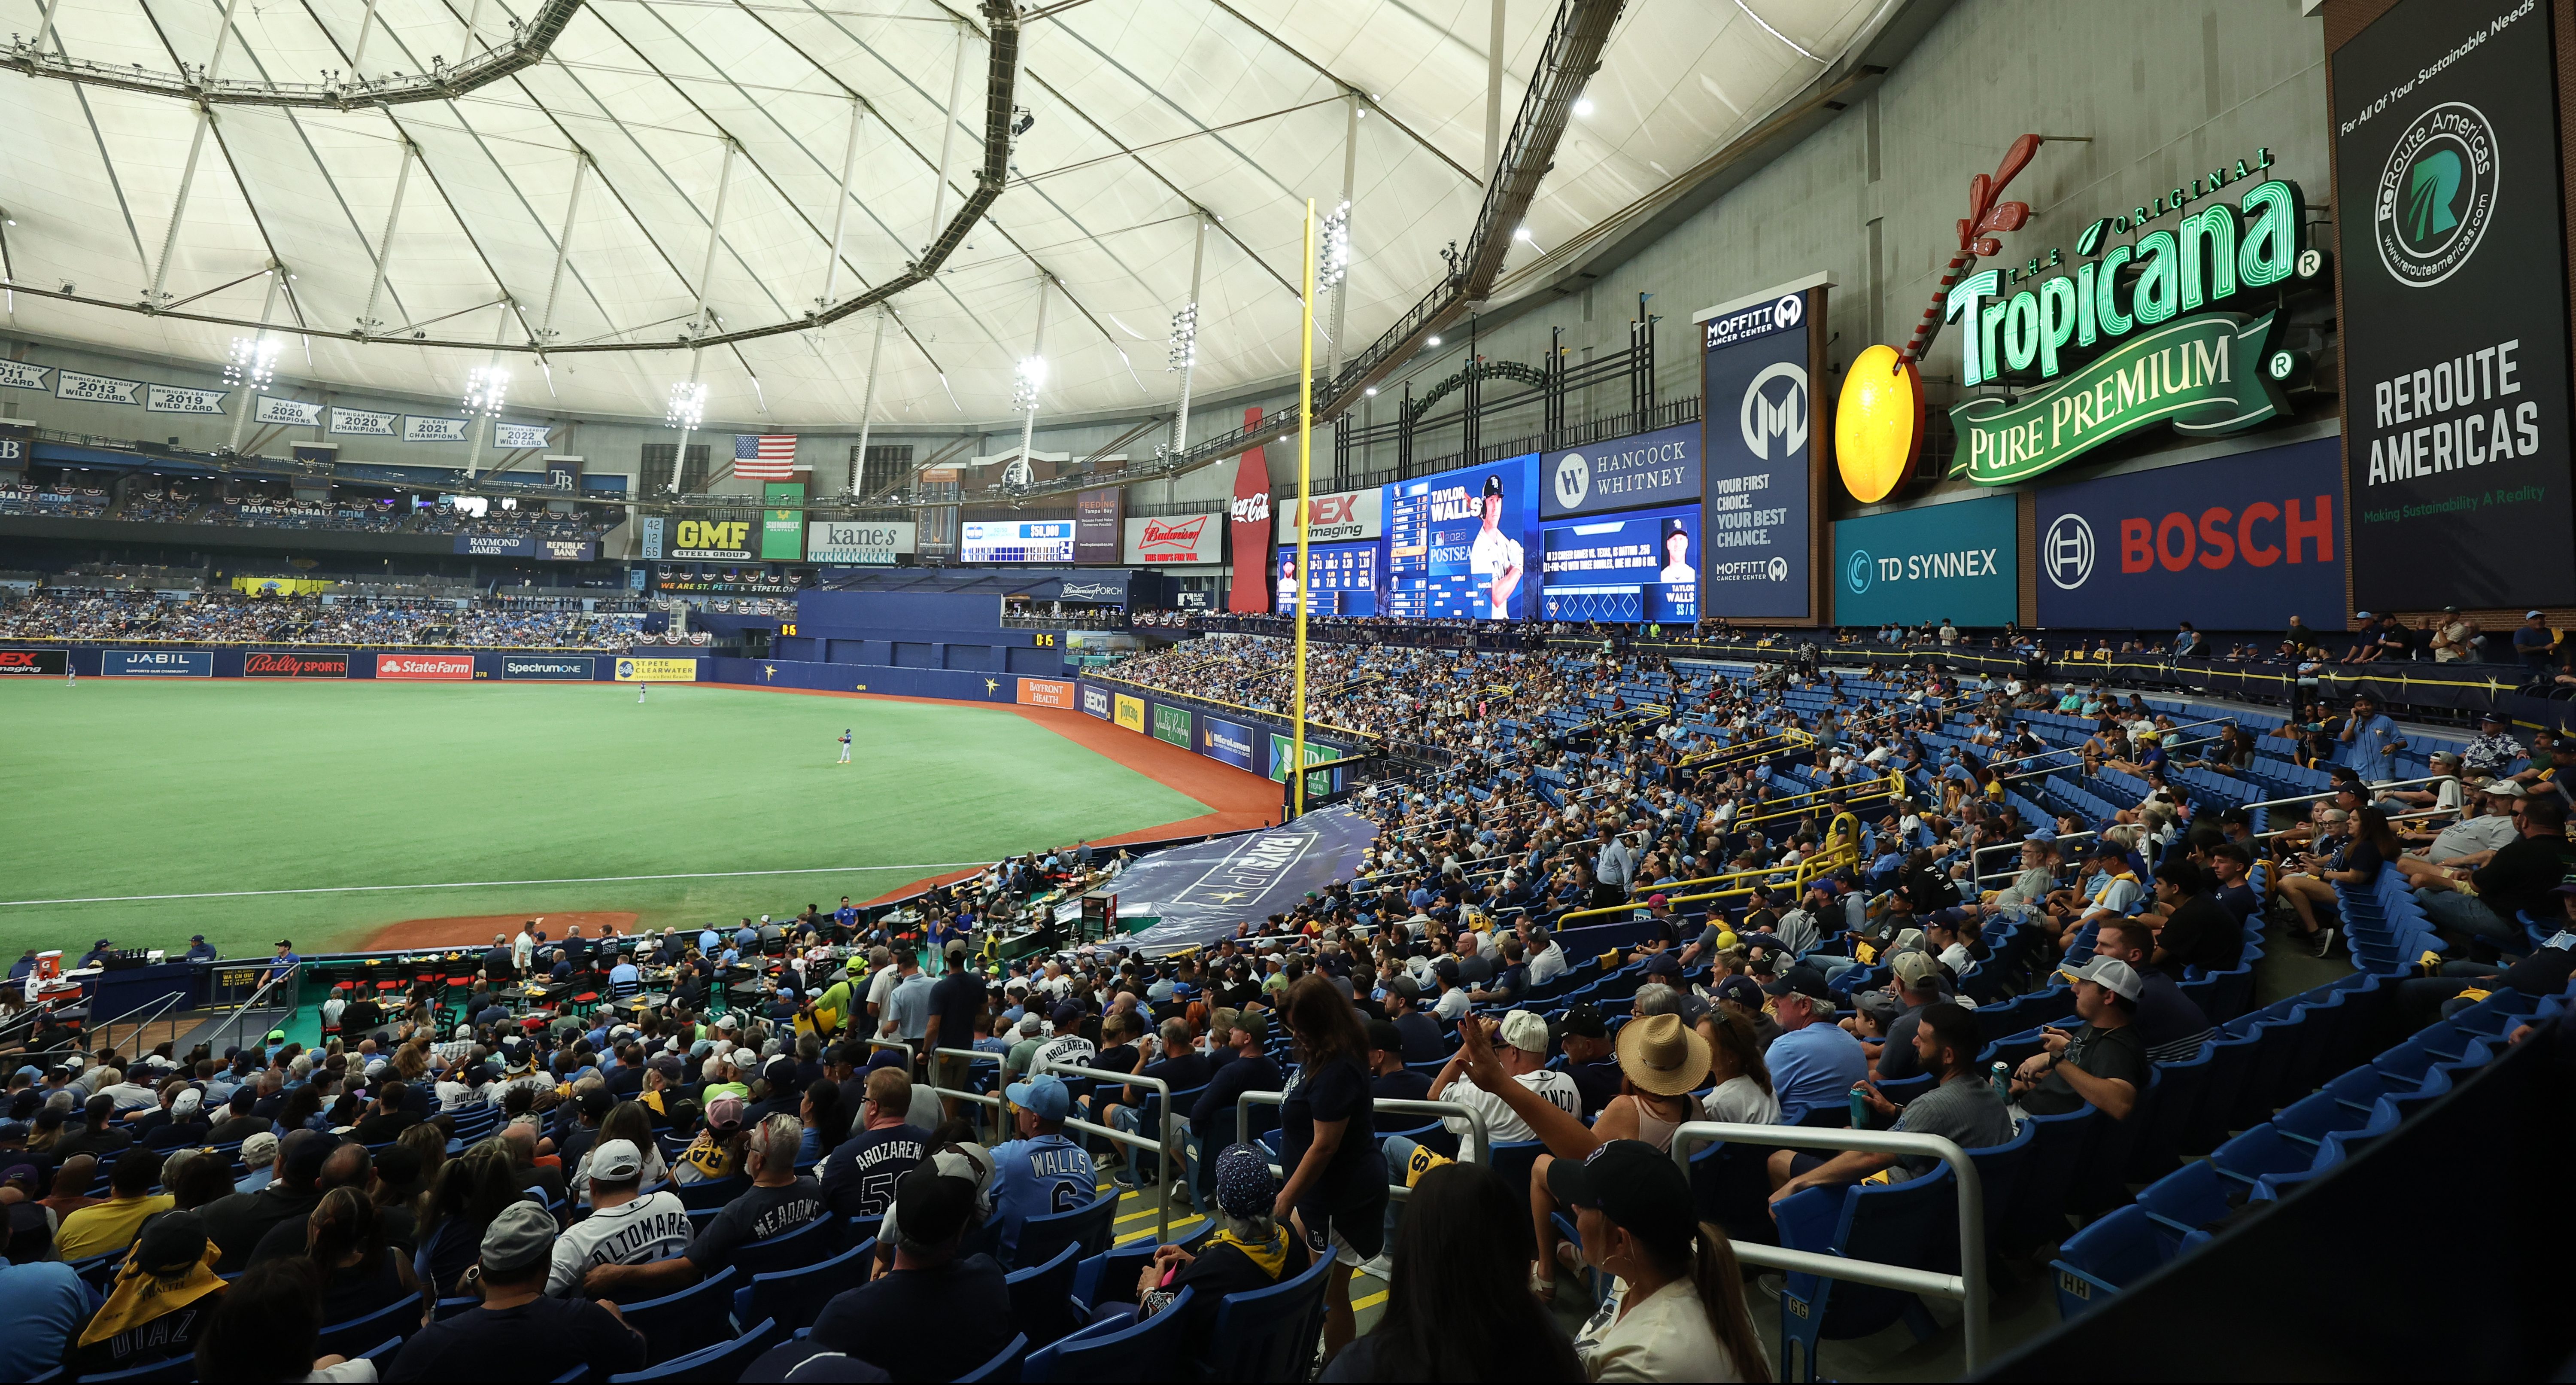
<point>764,456</point>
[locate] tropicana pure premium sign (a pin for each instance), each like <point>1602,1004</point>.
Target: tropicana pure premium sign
<point>2135,336</point>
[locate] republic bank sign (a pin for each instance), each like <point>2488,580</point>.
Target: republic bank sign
<point>2140,333</point>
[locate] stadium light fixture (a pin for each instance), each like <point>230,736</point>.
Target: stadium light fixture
<point>1334,263</point>
<point>1030,376</point>
<point>1184,339</point>
<point>486,388</point>
<point>1435,341</point>
<point>688,405</point>
<point>253,363</point>
<point>1583,105</point>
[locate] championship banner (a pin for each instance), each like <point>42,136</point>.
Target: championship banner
<point>1046,692</point>
<point>417,428</point>
<point>513,437</point>
<point>98,389</point>
<point>442,668</point>
<point>2203,375</point>
<point>657,670</point>
<point>157,663</point>
<point>1228,741</point>
<point>282,663</point>
<point>174,399</point>
<point>549,668</point>
<point>1095,702</point>
<point>24,375</point>
<point>1131,713</point>
<point>1199,892</point>
<point>365,423</point>
<point>293,413</point>
<point>32,663</point>
<point>1172,725</point>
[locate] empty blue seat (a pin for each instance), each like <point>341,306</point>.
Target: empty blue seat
<point>357,1334</point>
<point>1913,1223</point>
<point>2114,1252</point>
<point>1005,1364</point>
<point>720,1363</point>
<point>794,1298</point>
<point>1269,1334</point>
<point>1147,1350</point>
<point>693,1319</point>
<point>1084,1227</point>
<point>1042,1298</point>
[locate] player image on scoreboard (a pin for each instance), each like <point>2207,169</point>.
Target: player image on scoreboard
<point>1460,544</point>
<point>1640,566</point>
<point>1341,579</point>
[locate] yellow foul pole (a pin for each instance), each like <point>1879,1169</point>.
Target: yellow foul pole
<point>1305,478</point>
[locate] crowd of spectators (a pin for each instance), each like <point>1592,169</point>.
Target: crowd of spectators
<point>57,498</point>
<point>233,618</point>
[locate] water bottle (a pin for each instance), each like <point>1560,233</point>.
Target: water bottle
<point>1859,1106</point>
<point>2002,1080</point>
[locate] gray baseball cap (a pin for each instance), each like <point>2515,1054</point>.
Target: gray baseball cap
<point>522,1235</point>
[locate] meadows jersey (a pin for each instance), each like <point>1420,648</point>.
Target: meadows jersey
<point>1039,1178</point>
<point>655,1227</point>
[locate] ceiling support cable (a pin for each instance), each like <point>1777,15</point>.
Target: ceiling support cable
<point>482,423</point>
<point>1032,376</point>
<point>545,333</point>
<point>868,405</point>
<point>698,321</point>
<point>156,296</point>
<point>841,213</point>
<point>366,23</point>
<point>367,323</point>
<point>948,126</point>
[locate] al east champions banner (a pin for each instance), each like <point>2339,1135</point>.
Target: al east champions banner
<point>457,668</point>
<point>1655,468</point>
<point>2454,297</point>
<point>1954,562</point>
<point>1463,544</point>
<point>1248,586</point>
<point>1763,454</point>
<point>2196,542</point>
<point>1632,567</point>
<point>1228,741</point>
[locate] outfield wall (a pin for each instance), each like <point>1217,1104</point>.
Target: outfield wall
<point>287,662</point>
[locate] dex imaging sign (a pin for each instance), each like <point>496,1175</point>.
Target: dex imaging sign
<point>2188,542</point>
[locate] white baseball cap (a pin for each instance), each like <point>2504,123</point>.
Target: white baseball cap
<point>1525,1031</point>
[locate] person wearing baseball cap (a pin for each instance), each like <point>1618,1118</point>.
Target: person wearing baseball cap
<point>199,950</point>
<point>1961,1107</point>
<point>1814,1062</point>
<point>1494,556</point>
<point>2493,750</point>
<point>2535,645</point>
<point>1676,1310</point>
<point>540,1336</point>
<point>1522,1050</point>
<point>623,1228</point>
<point>2104,1063</point>
<point>932,1280</point>
<point>1583,1035</point>
<point>1041,1172</point>
<point>146,1314</point>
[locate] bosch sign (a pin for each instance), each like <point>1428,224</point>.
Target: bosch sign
<point>2181,543</point>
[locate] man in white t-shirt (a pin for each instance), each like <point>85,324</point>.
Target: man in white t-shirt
<point>622,1228</point>
<point>1523,1052</point>
<point>523,948</point>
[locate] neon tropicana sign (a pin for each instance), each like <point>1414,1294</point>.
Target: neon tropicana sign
<point>2164,354</point>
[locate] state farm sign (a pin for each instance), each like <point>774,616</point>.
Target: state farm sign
<point>1338,516</point>
<point>456,668</point>
<point>1192,539</point>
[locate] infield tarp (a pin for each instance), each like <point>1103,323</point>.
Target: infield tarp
<point>1200,892</point>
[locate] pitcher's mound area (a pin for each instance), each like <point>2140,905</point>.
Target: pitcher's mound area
<point>477,930</point>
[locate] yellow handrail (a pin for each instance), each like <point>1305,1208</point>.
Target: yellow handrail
<point>1842,848</point>
<point>1879,791</point>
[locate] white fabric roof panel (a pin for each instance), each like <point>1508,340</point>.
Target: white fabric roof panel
<point>1143,110</point>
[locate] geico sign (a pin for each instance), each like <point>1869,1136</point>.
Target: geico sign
<point>713,533</point>
<point>1251,509</point>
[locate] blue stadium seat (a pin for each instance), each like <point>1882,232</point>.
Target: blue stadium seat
<point>811,1243</point>
<point>1042,1297</point>
<point>1005,1365</point>
<point>2059,1147</point>
<point>1147,1350</point>
<point>794,1298</point>
<point>693,1319</point>
<point>2114,1252</point>
<point>1913,1223</point>
<point>1113,1272</point>
<point>721,1363</point>
<point>352,1337</point>
<point>710,1195</point>
<point>1269,1334</point>
<point>179,1370</point>
<point>1084,1227</point>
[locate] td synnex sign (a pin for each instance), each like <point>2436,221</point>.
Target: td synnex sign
<point>1936,562</point>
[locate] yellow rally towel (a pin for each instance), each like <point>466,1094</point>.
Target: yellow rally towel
<point>140,1296</point>
<point>1422,1162</point>
<point>1271,1255</point>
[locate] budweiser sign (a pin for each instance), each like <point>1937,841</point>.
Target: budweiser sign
<point>1192,540</point>
<point>280,663</point>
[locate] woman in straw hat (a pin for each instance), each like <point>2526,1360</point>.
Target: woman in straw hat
<point>1661,1063</point>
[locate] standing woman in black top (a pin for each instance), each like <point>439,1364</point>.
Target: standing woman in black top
<point>1336,1186</point>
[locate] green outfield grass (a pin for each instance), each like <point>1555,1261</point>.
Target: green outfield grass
<point>136,788</point>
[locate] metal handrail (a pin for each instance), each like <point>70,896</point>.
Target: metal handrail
<point>160,1007</point>
<point>242,1011</point>
<point>1163,1193</point>
<point>1842,848</point>
<point>1475,1119</point>
<point>1968,1286</point>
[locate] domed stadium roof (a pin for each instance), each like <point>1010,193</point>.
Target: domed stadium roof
<point>440,179</point>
